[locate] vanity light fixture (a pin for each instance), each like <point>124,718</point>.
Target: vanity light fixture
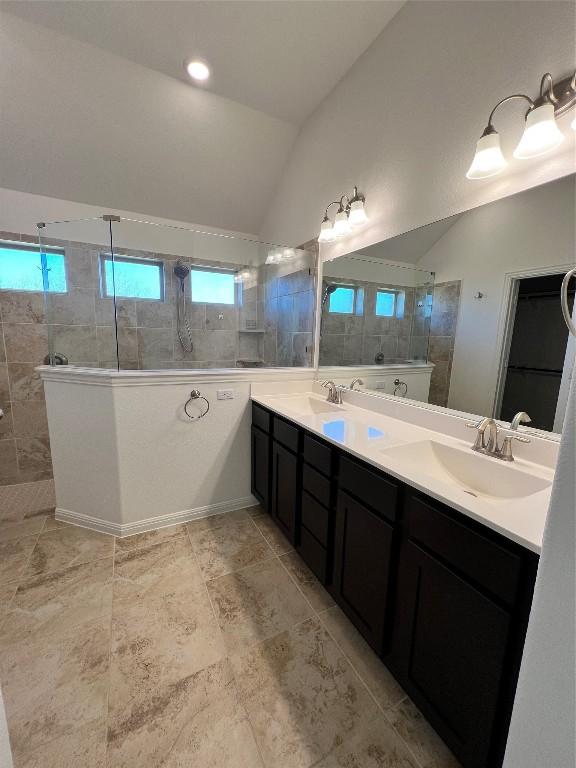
<point>351,213</point>
<point>277,255</point>
<point>541,133</point>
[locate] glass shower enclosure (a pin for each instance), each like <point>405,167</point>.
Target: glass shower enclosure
<point>129,294</point>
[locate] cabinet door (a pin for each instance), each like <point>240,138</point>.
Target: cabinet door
<point>449,649</point>
<point>285,489</point>
<point>261,466</point>
<point>363,547</point>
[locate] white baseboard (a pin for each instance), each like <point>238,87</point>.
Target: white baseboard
<point>152,523</point>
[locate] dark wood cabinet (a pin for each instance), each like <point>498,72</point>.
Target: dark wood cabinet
<point>285,489</point>
<point>362,566</point>
<point>441,598</point>
<point>261,466</point>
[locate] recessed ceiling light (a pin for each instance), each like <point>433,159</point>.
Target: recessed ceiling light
<point>197,70</point>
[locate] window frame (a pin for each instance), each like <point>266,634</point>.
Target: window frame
<point>108,257</point>
<point>9,245</point>
<point>237,287</point>
<point>355,289</point>
<point>392,291</point>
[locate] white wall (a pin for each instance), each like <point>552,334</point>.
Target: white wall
<point>403,123</point>
<point>79,123</point>
<point>21,211</point>
<point>530,230</point>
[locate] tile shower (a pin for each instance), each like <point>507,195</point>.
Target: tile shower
<point>270,324</point>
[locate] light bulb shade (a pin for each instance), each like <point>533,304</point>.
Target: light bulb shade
<point>541,133</point>
<point>341,224</point>
<point>357,215</point>
<point>488,160</point>
<point>326,232</point>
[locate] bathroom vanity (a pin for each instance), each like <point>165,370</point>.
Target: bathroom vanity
<point>441,595</point>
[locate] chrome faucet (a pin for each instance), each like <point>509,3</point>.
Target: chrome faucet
<point>520,418</point>
<point>356,381</point>
<point>490,447</point>
<point>334,392</point>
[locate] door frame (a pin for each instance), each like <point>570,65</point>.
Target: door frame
<point>506,321</point>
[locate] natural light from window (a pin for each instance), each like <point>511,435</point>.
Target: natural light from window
<point>132,278</point>
<point>21,270</point>
<point>385,303</point>
<point>342,301</point>
<point>212,287</point>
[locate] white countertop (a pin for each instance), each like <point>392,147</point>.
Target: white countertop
<point>368,435</point>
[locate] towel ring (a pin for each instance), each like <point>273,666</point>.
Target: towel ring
<point>195,395</point>
<point>400,385</point>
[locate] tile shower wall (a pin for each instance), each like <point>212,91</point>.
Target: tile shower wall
<point>358,339</point>
<point>442,335</point>
<point>271,325</point>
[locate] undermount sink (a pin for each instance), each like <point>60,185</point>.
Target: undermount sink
<point>477,475</point>
<point>305,405</point>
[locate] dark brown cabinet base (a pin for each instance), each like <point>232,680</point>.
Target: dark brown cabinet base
<point>442,599</point>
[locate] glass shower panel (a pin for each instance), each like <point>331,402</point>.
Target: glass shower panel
<point>79,322</point>
<point>189,299</point>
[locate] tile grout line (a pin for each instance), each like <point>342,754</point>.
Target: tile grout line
<point>240,700</point>
<point>107,713</point>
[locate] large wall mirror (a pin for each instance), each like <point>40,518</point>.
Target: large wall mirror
<point>463,313</point>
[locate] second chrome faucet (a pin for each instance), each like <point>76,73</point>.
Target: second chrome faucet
<point>490,446</point>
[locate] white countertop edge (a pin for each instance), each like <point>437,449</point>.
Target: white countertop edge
<point>532,543</point>
<point>109,377</point>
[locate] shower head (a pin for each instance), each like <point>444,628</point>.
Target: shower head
<point>328,289</point>
<point>181,270</point>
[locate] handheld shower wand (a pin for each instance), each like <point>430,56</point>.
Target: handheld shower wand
<point>182,271</point>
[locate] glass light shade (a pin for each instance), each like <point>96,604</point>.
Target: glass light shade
<point>198,70</point>
<point>357,215</point>
<point>341,224</point>
<point>326,232</point>
<point>541,133</point>
<point>488,160</point>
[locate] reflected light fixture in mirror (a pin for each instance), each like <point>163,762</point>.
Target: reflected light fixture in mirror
<point>351,213</point>
<point>541,133</point>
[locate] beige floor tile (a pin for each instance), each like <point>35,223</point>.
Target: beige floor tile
<point>54,684</point>
<point>381,683</point>
<point>374,745</point>
<point>7,592</point>
<point>195,721</point>
<point>149,538</point>
<point>214,522</point>
<point>257,509</point>
<point>17,529</point>
<point>272,534</point>
<point>59,601</point>
<point>53,525</point>
<point>423,741</point>
<point>308,583</point>
<point>14,556</point>
<point>229,548</point>
<point>83,747</point>
<point>302,697</point>
<point>255,603</point>
<point>156,570</point>
<point>157,641</point>
<point>66,547</point>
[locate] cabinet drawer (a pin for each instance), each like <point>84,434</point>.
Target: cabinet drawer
<point>318,455</point>
<point>370,487</point>
<point>314,555</point>
<point>286,433</point>
<point>481,559</point>
<point>316,484</point>
<point>315,518</point>
<point>260,417</point>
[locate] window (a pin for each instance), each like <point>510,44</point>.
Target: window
<point>385,303</point>
<point>132,278</point>
<point>346,300</point>
<point>212,287</point>
<point>21,269</point>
